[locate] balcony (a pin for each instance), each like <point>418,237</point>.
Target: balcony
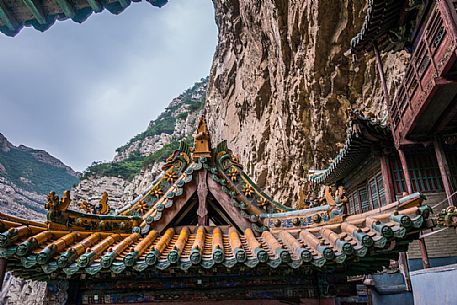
<point>426,103</point>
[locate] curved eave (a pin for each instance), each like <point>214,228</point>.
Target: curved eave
<point>356,148</point>
<point>370,237</point>
<point>15,14</point>
<point>381,17</point>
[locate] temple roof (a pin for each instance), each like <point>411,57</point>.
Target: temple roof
<point>362,136</point>
<point>41,14</point>
<point>382,16</point>
<point>203,212</point>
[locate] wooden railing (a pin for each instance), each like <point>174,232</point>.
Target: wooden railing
<point>431,59</point>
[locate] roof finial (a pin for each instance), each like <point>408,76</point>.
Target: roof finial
<point>201,140</point>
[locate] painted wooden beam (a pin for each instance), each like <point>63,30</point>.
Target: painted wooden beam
<point>424,254</point>
<point>95,5</point>
<point>67,7</point>
<point>387,182</point>
<point>444,170</point>
<point>36,10</point>
<point>382,76</point>
<point>179,203</point>
<point>404,166</point>
<point>202,193</point>
<point>7,17</point>
<point>225,202</point>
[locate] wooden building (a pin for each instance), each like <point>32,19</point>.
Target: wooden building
<point>203,231</point>
<point>415,150</point>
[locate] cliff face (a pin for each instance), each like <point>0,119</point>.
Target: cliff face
<point>281,86</point>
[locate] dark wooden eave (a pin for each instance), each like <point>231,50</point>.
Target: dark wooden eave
<point>381,17</point>
<point>41,14</point>
<point>362,135</point>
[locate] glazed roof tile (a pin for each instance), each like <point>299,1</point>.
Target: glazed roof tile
<point>68,253</point>
<point>15,14</point>
<point>150,235</point>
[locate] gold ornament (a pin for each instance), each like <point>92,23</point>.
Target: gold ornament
<point>248,190</point>
<point>142,207</point>
<point>233,174</point>
<point>171,176</point>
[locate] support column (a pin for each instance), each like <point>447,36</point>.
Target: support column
<point>444,170</point>
<point>382,76</point>
<point>404,269</point>
<point>404,166</point>
<point>2,271</point>
<point>387,178</point>
<point>424,255</point>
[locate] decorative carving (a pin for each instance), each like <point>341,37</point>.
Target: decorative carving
<point>233,174</point>
<point>171,176</point>
<point>156,191</point>
<point>103,208</point>
<point>248,190</point>
<point>201,141</point>
<point>142,207</point>
<point>448,217</point>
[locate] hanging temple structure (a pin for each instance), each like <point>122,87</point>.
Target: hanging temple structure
<point>203,231</point>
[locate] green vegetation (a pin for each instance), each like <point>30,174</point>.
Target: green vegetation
<point>126,169</point>
<point>166,122</point>
<point>182,116</point>
<point>29,174</point>
<point>132,166</point>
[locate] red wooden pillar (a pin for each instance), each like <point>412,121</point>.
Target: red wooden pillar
<point>424,255</point>
<point>404,166</point>
<point>2,271</point>
<point>382,76</point>
<point>444,170</point>
<point>387,179</point>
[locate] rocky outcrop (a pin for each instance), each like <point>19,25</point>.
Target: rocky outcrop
<point>181,114</point>
<point>281,86</point>
<point>17,291</point>
<point>18,202</point>
<point>27,292</point>
<point>27,175</point>
<point>5,145</point>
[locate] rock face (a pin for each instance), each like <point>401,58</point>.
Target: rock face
<point>27,175</point>
<point>176,123</point>
<point>281,85</point>
<point>27,292</point>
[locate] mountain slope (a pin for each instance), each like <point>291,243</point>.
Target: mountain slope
<point>27,175</point>
<point>137,163</point>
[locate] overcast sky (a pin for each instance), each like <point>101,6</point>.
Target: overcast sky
<point>80,91</point>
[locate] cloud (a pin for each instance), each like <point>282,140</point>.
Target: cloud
<point>80,91</point>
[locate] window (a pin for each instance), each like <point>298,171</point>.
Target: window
<point>397,173</point>
<point>451,156</point>
<point>367,196</point>
<point>423,171</point>
<point>363,194</point>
